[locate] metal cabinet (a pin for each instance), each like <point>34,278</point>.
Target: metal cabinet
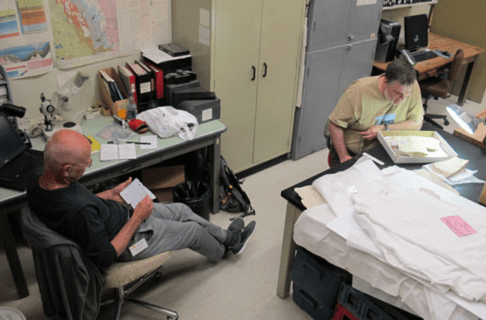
<point>341,44</point>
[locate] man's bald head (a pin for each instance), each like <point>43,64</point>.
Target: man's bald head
<point>66,146</point>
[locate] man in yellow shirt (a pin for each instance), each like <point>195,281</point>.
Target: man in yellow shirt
<point>391,101</point>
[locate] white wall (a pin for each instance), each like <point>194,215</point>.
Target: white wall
<point>26,91</point>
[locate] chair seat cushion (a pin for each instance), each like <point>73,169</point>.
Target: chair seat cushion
<point>439,88</point>
<point>122,273</point>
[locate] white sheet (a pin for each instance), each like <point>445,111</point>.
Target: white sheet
<point>310,232</point>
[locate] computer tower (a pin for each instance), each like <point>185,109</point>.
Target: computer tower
<point>388,35</point>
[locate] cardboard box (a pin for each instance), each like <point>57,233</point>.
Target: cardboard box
<point>105,93</point>
<point>448,152</point>
<point>161,181</point>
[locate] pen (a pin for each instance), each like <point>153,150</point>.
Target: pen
<point>136,142</point>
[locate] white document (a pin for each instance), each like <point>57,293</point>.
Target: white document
<point>151,139</point>
<point>110,152</point>
<point>135,193</point>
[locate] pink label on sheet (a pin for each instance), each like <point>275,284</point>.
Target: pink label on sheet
<point>458,225</point>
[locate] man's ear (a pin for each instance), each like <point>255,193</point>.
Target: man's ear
<point>65,170</point>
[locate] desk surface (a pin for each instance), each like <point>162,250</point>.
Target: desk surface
<point>428,68</point>
<point>92,127</point>
<point>475,155</point>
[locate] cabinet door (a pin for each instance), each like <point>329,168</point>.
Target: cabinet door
<point>364,20</point>
<point>327,24</point>
<point>357,63</point>
<point>320,96</point>
<point>236,50</point>
<point>281,43</point>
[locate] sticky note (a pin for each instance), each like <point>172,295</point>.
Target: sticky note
<point>458,225</point>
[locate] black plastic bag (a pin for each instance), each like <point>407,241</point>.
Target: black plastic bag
<point>195,195</point>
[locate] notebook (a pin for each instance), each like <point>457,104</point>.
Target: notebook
<point>17,160</point>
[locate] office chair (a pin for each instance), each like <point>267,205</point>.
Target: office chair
<point>441,87</point>
<point>71,286</point>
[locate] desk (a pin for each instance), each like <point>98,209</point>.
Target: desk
<point>208,135</point>
<point>429,67</point>
<point>475,155</point>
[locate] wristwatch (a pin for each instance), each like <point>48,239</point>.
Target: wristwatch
<point>386,127</point>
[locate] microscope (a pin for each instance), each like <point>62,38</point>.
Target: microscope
<point>59,102</point>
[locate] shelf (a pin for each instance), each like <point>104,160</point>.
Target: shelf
<point>403,6</point>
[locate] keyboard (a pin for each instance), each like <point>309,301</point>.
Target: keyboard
<point>22,163</point>
<point>423,55</point>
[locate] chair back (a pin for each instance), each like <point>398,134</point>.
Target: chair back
<point>456,65</point>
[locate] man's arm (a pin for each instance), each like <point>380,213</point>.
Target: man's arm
<point>141,212</point>
<point>337,137</point>
<point>372,132</point>
<point>114,194</point>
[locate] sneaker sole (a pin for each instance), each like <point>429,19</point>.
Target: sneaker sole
<point>246,242</point>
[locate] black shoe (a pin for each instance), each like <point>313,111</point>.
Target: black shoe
<point>244,237</point>
<point>237,225</point>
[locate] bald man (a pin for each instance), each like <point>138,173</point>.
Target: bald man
<point>105,226</point>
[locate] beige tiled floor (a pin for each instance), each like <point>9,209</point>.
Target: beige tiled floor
<point>238,287</point>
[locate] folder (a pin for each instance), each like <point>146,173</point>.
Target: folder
<point>143,81</point>
<point>159,80</point>
<point>112,86</point>
<point>128,79</point>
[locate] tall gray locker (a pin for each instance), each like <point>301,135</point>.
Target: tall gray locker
<point>341,45</point>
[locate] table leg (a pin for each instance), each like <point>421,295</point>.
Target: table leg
<point>465,83</point>
<point>13,257</point>
<point>288,251</point>
<point>214,155</point>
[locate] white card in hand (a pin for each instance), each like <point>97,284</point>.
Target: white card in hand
<point>135,193</point>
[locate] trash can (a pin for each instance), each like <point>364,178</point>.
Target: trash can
<point>195,195</point>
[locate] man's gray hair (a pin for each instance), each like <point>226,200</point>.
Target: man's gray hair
<point>402,71</point>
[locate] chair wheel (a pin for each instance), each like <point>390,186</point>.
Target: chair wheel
<point>446,122</point>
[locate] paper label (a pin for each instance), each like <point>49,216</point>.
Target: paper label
<point>207,114</point>
<point>145,87</point>
<point>365,2</point>
<point>138,247</point>
<point>458,225</point>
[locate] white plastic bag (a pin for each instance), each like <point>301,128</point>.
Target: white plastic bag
<point>168,121</point>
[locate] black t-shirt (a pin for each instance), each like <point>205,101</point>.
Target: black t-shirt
<point>78,214</point>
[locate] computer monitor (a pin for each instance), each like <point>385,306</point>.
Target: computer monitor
<point>416,32</point>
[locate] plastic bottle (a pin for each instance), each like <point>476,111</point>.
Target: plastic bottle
<point>131,109</point>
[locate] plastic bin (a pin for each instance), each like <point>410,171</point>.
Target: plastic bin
<point>309,305</point>
<point>318,278</point>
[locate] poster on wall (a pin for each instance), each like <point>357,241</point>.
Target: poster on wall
<point>25,50</point>
<point>73,33</point>
<point>26,60</point>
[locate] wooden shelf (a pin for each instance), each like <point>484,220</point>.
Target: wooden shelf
<point>403,6</point>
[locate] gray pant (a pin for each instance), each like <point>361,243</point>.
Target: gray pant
<point>173,227</point>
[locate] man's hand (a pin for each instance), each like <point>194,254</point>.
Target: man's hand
<point>345,158</point>
<point>114,194</point>
<point>143,209</point>
<point>372,132</point>
<point>119,188</point>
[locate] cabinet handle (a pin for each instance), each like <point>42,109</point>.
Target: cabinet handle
<point>254,73</point>
<point>264,70</point>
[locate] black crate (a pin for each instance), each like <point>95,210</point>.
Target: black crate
<point>369,308</point>
<point>311,306</point>
<point>317,277</point>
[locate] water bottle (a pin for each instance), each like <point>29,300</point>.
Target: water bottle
<point>131,109</point>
